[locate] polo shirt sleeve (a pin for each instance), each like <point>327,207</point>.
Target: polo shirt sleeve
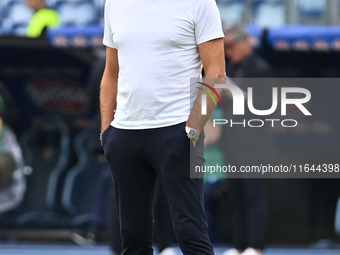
<point>208,24</point>
<point>107,39</point>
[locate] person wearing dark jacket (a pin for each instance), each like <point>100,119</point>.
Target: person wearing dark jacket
<point>245,145</point>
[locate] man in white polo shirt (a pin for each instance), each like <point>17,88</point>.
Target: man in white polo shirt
<point>154,48</point>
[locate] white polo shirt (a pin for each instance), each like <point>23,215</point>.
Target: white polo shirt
<point>158,55</point>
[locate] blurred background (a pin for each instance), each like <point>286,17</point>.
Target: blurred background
<point>49,87</point>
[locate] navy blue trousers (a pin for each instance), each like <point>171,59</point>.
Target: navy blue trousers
<point>136,158</point>
<point>248,213</point>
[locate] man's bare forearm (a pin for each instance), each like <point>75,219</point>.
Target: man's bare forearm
<point>212,56</point>
<point>109,88</point>
<point>108,94</point>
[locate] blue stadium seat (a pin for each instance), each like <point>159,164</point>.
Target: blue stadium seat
<point>77,192</point>
<point>52,3</point>
<point>55,4</point>
<point>16,19</point>
<point>100,5</point>
<point>18,30</point>
<point>46,147</point>
<point>312,9</point>
<point>269,13</point>
<point>81,181</point>
<point>231,11</point>
<point>77,13</point>
<point>5,3</point>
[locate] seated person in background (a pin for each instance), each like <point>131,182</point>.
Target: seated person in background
<point>8,141</point>
<point>12,183</point>
<point>43,18</point>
